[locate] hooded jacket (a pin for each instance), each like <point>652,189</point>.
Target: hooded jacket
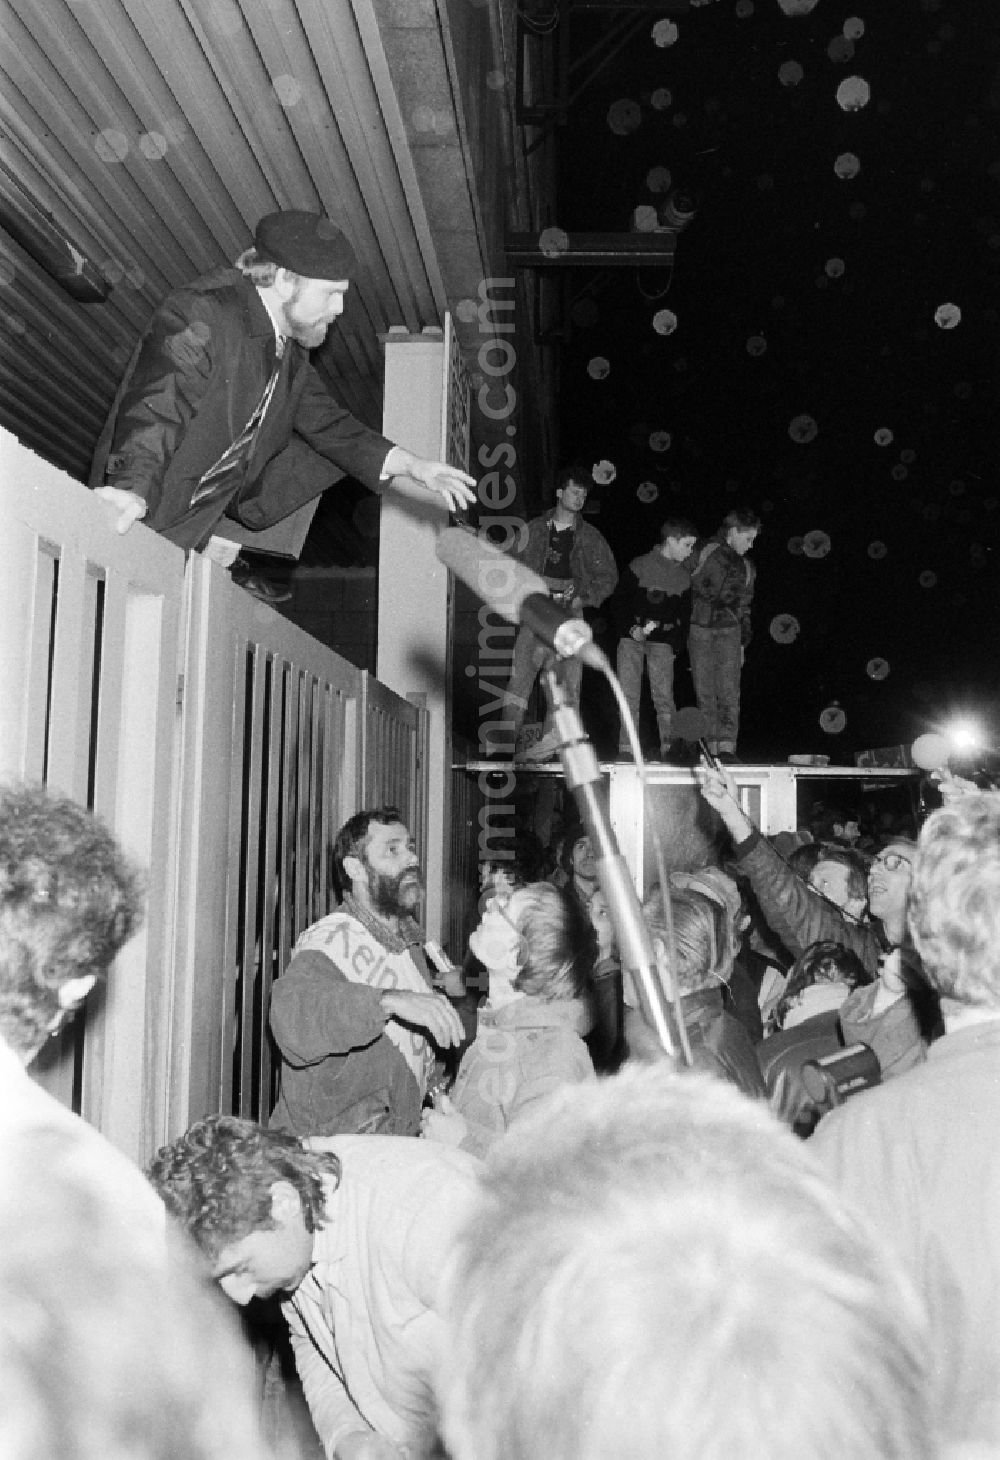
<point>722,587</point>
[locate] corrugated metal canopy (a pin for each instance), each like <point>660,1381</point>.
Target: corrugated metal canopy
<point>154,133</point>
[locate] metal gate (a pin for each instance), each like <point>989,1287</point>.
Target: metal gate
<point>224,747</point>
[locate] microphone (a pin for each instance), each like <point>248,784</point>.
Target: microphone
<point>517,595</point>
<point>521,597</point>
<point>584,779</point>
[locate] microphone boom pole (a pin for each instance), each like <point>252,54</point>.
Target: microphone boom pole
<point>583,777</point>
<point>521,597</point>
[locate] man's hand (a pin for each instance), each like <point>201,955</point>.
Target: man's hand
<point>719,790</point>
<point>717,785</point>
<point>456,487</point>
<point>129,505</point>
<point>444,1124</point>
<point>453,983</point>
<point>367,1447</point>
<point>430,1012</point>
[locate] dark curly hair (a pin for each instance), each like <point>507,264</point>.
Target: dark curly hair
<point>579,474</point>
<point>352,840</point>
<point>69,900</point>
<point>216,1179</point>
<point>822,962</point>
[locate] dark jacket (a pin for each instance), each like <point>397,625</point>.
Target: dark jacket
<point>595,572</point>
<point>192,384</point>
<point>340,1073</point>
<point>796,912</point>
<point>344,1066</point>
<point>722,587</point>
<point>655,594</point>
<point>719,1043</point>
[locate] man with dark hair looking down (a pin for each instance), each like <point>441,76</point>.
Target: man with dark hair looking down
<point>352,1234</point>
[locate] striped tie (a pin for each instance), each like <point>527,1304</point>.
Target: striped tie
<point>235,457</point>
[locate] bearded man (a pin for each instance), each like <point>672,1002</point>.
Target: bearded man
<point>354,1014</point>
<point>222,418</point>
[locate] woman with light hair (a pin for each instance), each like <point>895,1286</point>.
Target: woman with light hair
<point>539,950</point>
<point>954,908</point>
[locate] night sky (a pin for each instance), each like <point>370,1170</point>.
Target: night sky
<point>809,369</point>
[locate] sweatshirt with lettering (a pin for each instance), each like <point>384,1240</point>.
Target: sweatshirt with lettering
<point>346,1066</point>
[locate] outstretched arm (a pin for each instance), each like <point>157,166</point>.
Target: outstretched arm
<point>455,487</point>
<point>719,790</point>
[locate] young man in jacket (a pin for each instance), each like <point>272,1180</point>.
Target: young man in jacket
<point>722,585</point>
<point>580,572</point>
<point>652,611</point>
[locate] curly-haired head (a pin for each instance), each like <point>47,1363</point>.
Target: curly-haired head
<point>216,1179</point>
<point>578,474</point>
<point>954,909</point>
<point>822,962</point>
<point>69,900</point>
<point>353,837</point>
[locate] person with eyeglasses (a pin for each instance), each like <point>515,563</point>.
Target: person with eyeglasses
<point>893,1013</point>
<point>796,910</point>
<point>896,1015</point>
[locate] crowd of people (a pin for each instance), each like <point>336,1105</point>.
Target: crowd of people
<point>687,593</point>
<point>509,1223</point>
<point>497,1216</point>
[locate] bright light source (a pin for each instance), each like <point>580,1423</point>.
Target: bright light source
<point>964,735</point>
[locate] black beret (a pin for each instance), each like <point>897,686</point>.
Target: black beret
<point>306,243</point>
